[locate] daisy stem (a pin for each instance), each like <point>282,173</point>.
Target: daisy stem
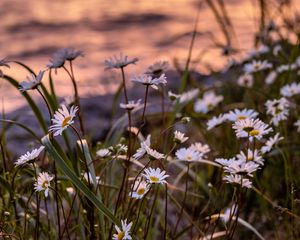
<point>184,199</point>
<point>71,75</point>
<point>149,219</point>
<point>48,221</point>
<point>166,211</point>
<point>37,222</point>
<point>25,213</point>
<point>47,104</point>
<point>56,199</point>
<point>69,215</point>
<point>163,107</point>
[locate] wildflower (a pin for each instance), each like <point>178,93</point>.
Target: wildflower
<point>155,176</point>
<point>285,67</point>
<point>142,150</point>
<point>124,232</point>
<point>277,49</point>
<point>32,82</point>
<point>290,90</point>
<point>278,109</point>
<point>252,128</point>
<point>157,68</point>
<point>188,96</point>
<point>245,80</point>
<point>251,156</point>
<point>179,137</point>
<point>173,96</point>
<point>270,143</point>
<point>238,114</point>
<point>187,154</point>
<point>237,179</point>
<point>256,66</point>
<point>224,162</point>
<point>103,152</point>
<point>3,63</point>
<point>241,167</point>
<point>121,148</point>
<point>150,81</point>
<point>209,101</point>
<point>153,153</point>
<point>70,190</point>
<point>215,121</point>
<point>201,148</point>
<point>120,61</point>
<point>271,77</point>
<point>131,105</point>
<point>62,119</point>
<point>58,59</point>
<point>43,183</point>
<point>29,156</point>
<point>140,188</point>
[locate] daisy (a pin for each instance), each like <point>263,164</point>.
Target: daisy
<point>153,154</point>
<point>237,179</point>
<point>285,67</point>
<point>256,66</point>
<point>187,154</point>
<point>131,105</point>
<point>290,90</point>
<point>140,188</point>
<point>3,63</point>
<point>150,81</point>
<point>254,156</point>
<point>105,152</point>
<point>142,150</point>
<point>62,119</point>
<point>245,80</point>
<point>29,156</point>
<point>179,137</point>
<point>209,101</point>
<point>157,68</point>
<point>155,176</point>
<point>120,61</point>
<point>278,109</point>
<point>215,121</point>
<point>188,96</point>
<point>43,183</point>
<point>124,232</point>
<point>70,54</point>
<point>270,143</point>
<point>201,148</point>
<point>32,82</point>
<point>253,128</point>
<point>238,114</point>
<point>241,167</point>
<point>271,77</point>
<point>173,96</point>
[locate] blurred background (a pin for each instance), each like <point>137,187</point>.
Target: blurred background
<point>31,31</point>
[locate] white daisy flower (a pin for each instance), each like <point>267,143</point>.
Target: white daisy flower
<point>124,232</point>
<point>120,61</point>
<point>187,154</point>
<point>70,54</point>
<point>140,188</point>
<point>150,81</point>
<point>142,150</point>
<point>155,176</point>
<point>238,114</point>
<point>188,96</point>
<point>58,59</point>
<point>278,109</point>
<point>179,137</point>
<point>241,167</point>
<point>32,82</point>
<point>215,121</point>
<point>237,179</point>
<point>29,156</point>
<point>270,143</point>
<point>256,66</point>
<point>224,161</point>
<point>157,68</point>
<point>253,128</point>
<point>290,90</point>
<point>203,149</point>
<point>173,96</point>
<point>62,119</point>
<point>131,105</point>
<point>254,156</point>
<point>271,77</point>
<point>153,153</point>
<point>43,183</point>
<point>105,152</point>
<point>209,101</point>
<point>246,80</point>
<point>285,67</point>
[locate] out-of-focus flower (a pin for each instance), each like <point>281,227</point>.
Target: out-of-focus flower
<point>251,155</point>
<point>237,114</point>
<point>256,66</point>
<point>32,82</point>
<point>203,149</point>
<point>271,77</point>
<point>62,119</point>
<point>270,143</point>
<point>29,156</point>
<point>290,90</point>
<point>246,80</point>
<point>209,101</point>
<point>150,81</point>
<point>120,61</point>
<point>58,59</point>
<point>188,155</point>
<point>157,68</point>
<point>237,179</point>
<point>142,150</point>
<point>43,183</point>
<point>215,121</point>
<point>131,105</point>
<point>103,152</point>
<point>278,109</point>
<point>179,137</point>
<point>188,96</point>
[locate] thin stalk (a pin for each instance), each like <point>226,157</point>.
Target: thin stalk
<point>25,213</point>
<point>151,213</point>
<point>48,220</point>
<point>56,199</point>
<point>166,211</point>
<point>37,222</point>
<point>47,104</point>
<point>184,199</point>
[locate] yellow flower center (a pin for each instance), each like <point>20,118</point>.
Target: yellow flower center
<point>66,121</point>
<point>250,158</point>
<point>189,158</point>
<point>254,133</point>
<point>121,235</point>
<point>154,179</point>
<point>45,184</point>
<point>241,117</point>
<point>140,191</point>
